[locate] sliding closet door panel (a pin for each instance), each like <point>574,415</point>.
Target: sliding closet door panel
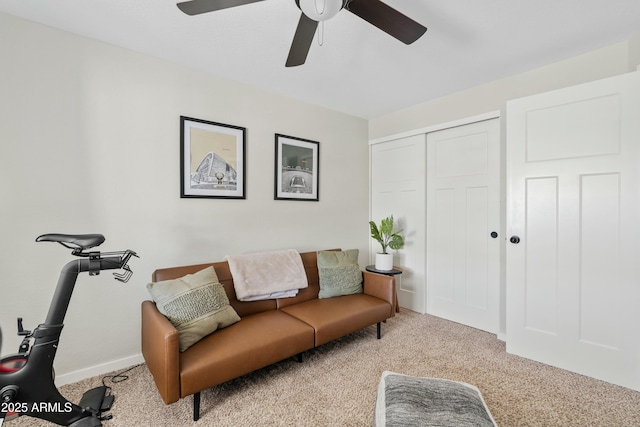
<point>463,209</point>
<point>398,189</point>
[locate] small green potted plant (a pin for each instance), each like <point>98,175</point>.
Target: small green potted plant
<point>388,239</point>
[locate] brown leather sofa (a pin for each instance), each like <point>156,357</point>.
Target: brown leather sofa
<point>269,331</point>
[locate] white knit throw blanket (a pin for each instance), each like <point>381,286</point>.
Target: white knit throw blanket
<point>267,275</point>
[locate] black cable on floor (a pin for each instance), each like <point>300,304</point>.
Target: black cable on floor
<point>119,377</point>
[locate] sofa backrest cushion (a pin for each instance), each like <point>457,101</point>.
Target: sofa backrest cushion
<point>309,261</point>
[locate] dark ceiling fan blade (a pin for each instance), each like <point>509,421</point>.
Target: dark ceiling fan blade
<point>387,19</point>
<point>196,7</point>
<point>302,41</point>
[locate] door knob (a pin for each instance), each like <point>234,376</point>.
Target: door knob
<point>515,240</point>
<point>494,234</point>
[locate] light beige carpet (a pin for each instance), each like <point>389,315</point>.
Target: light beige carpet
<point>336,384</point>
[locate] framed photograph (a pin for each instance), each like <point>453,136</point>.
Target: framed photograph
<point>212,159</point>
<point>296,169</point>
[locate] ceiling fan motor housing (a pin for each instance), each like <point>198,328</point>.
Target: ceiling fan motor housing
<point>320,10</point>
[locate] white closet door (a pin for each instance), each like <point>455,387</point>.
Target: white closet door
<point>463,210</point>
<point>398,189</point>
<point>573,192</point>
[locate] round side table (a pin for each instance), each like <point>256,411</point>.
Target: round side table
<point>394,272</point>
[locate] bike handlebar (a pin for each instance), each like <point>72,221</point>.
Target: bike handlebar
<point>97,262</point>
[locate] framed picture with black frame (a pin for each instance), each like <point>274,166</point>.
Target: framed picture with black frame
<point>297,162</point>
<point>212,159</point>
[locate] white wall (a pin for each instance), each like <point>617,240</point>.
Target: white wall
<point>89,143</point>
<point>606,62</point>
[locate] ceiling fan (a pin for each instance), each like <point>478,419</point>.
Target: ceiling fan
<point>374,12</point>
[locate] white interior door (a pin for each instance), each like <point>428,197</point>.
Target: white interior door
<point>573,191</point>
<point>463,210</point>
<point>398,189</point>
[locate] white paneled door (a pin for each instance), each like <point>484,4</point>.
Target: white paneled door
<point>463,224</point>
<point>573,256</point>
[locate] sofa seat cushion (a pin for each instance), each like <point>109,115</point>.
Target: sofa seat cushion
<point>332,318</point>
<point>254,342</point>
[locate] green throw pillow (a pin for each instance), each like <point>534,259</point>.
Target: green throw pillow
<point>339,273</point>
<point>195,304</point>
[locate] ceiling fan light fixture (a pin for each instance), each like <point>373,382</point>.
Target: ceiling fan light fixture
<point>320,10</point>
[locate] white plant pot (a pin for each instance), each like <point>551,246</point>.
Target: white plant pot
<point>384,262</point>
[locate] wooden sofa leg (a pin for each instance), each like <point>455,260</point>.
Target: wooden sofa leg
<point>299,356</point>
<point>196,406</point>
<point>379,329</point>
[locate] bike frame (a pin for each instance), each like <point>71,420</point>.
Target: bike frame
<point>30,390</point>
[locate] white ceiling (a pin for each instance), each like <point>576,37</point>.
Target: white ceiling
<point>359,69</point>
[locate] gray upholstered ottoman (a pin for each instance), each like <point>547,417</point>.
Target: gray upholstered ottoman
<point>411,401</point>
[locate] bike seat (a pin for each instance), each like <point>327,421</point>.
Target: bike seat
<point>79,241</point>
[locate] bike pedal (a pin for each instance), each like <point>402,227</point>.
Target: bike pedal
<point>94,399</point>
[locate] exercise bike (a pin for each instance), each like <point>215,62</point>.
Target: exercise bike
<point>26,378</point>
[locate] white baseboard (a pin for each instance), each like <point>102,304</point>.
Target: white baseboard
<point>101,369</point>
